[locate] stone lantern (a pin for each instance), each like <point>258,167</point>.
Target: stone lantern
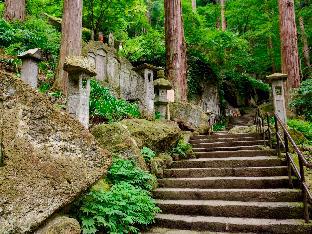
<point>146,86</point>
<point>80,70</point>
<point>161,86</point>
<point>30,69</point>
<point>277,81</point>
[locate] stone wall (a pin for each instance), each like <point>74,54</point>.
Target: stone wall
<point>117,73</point>
<point>49,158</point>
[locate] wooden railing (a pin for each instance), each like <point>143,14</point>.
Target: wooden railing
<point>283,143</point>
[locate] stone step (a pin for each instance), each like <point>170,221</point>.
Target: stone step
<point>259,161</point>
<point>267,195</point>
<point>211,140</point>
<point>227,148</point>
<point>238,153</point>
<point>228,171</point>
<point>228,143</point>
<point>226,224</point>
<point>226,182</point>
<point>157,230</point>
<point>271,210</point>
<point>227,135</point>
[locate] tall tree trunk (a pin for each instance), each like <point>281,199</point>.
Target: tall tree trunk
<point>176,65</point>
<point>194,5</point>
<point>71,39</point>
<point>223,20</point>
<point>289,44</point>
<point>271,54</point>
<point>15,10</point>
<point>306,53</point>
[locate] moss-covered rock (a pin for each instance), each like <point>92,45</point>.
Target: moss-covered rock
<point>159,136</point>
<point>117,138</point>
<point>157,167</point>
<point>49,158</point>
<point>189,117</point>
<point>61,224</point>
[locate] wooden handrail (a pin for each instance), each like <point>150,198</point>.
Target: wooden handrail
<point>284,142</point>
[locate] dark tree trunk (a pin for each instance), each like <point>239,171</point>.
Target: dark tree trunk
<point>176,65</point>
<point>71,39</point>
<point>223,20</point>
<point>306,52</point>
<point>194,5</point>
<point>271,54</point>
<point>15,10</point>
<point>289,44</point>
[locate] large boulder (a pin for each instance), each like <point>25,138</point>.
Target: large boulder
<point>159,136</point>
<point>48,158</point>
<point>116,138</point>
<point>189,117</point>
<point>128,137</point>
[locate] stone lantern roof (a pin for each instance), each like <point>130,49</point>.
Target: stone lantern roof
<point>161,82</point>
<point>79,64</point>
<point>276,77</point>
<point>35,54</point>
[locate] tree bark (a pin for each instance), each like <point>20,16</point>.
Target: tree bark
<point>306,52</point>
<point>15,10</point>
<point>194,5</point>
<point>223,20</point>
<point>271,53</point>
<point>176,65</point>
<point>71,39</point>
<point>289,44</point>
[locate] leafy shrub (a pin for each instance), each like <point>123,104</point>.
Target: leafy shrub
<point>17,37</point>
<point>103,104</point>
<point>128,171</point>
<point>183,149</point>
<point>148,154</point>
<point>219,126</point>
<point>118,211</point>
<point>302,126</point>
<point>302,102</point>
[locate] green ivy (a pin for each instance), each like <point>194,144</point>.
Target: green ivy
<point>183,149</point>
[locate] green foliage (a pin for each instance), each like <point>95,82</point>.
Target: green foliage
<point>183,149</point>
<point>148,154</point>
<point>219,126</point>
<point>302,102</point>
<point>149,47</point>
<point>106,106</point>
<point>124,206</point>
<point>119,210</point>
<point>127,170</point>
<point>18,37</point>
<point>302,126</point>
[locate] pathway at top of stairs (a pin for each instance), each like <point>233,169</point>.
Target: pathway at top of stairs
<point>234,185</point>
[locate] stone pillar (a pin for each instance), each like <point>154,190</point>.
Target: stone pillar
<point>147,95</point>
<point>30,69</point>
<point>162,86</point>
<point>101,64</point>
<point>79,70</point>
<point>277,81</point>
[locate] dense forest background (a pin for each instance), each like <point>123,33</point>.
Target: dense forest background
<point>238,50</point>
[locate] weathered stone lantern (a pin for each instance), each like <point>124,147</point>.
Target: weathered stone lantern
<point>161,86</point>
<point>30,69</point>
<point>277,81</point>
<point>147,71</point>
<point>80,70</point>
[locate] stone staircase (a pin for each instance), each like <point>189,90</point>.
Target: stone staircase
<point>234,185</point>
